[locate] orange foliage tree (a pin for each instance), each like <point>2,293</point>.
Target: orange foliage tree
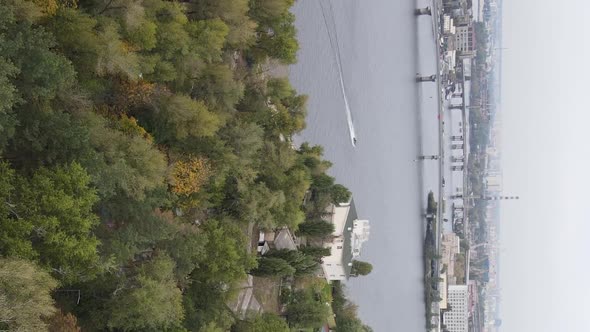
<point>129,126</point>
<point>63,323</point>
<point>188,176</point>
<point>134,93</point>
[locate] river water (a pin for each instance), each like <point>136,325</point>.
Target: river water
<point>358,62</point>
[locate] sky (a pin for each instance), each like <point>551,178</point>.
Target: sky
<point>545,236</point>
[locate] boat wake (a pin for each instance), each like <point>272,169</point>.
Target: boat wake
<point>348,114</point>
<point>336,51</point>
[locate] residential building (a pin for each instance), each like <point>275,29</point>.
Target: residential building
<point>465,40</point>
<point>442,285</point>
<point>456,318</point>
<point>493,183</point>
<point>284,240</point>
<point>450,246</point>
<point>448,25</point>
<point>347,239</point>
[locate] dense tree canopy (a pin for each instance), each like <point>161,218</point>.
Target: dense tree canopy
<point>263,323</point>
<point>141,144</point>
<point>316,228</point>
<point>26,296</point>
<point>50,218</point>
<point>306,312</point>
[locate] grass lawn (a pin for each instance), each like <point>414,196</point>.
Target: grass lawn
<point>266,291</point>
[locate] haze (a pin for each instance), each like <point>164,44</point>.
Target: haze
<point>546,129</point>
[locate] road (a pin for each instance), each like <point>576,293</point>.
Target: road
<point>436,14</point>
<point>436,31</point>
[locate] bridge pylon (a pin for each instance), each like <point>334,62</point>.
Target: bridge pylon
<point>459,159</point>
<point>431,78</point>
<point>425,157</point>
<point>423,11</point>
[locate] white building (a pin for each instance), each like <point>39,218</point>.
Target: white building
<point>456,318</point>
<point>448,25</point>
<point>348,236</point>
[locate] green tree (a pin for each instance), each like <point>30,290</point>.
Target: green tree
<point>245,139</point>
<point>271,266</point>
<point>346,311</point>
<point>316,252</point>
<point>209,36</point>
<point>234,13</point>
<point>94,45</point>
<point>217,87</point>
<point>322,182</point>
<point>269,10</point>
<point>227,259</point>
<point>178,116</point>
<point>149,300</point>
<point>27,59</point>
<point>265,322</point>
<point>46,137</point>
<point>305,312</point>
<point>257,205</point>
<point>211,327</point>
<point>340,194</point>
<point>303,264</point>
<point>57,204</point>
<point>26,295</point>
<point>14,233</point>
<point>316,228</point>
<point>8,92</point>
<point>205,305</point>
<point>124,164</point>
<point>360,268</point>
<point>280,40</point>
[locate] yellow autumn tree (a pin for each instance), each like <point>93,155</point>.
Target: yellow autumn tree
<point>50,7</point>
<point>135,93</point>
<point>189,176</point>
<point>129,126</point>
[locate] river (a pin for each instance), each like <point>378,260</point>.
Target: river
<point>357,62</point>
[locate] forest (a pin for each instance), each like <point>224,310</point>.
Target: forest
<point>141,141</point>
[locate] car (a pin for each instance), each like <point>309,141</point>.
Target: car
<point>443,182</point>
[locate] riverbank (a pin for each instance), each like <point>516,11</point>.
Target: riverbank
<point>382,46</point>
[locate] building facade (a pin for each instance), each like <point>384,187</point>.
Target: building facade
<point>456,318</point>
<point>450,246</point>
<point>465,39</point>
<point>347,239</point>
